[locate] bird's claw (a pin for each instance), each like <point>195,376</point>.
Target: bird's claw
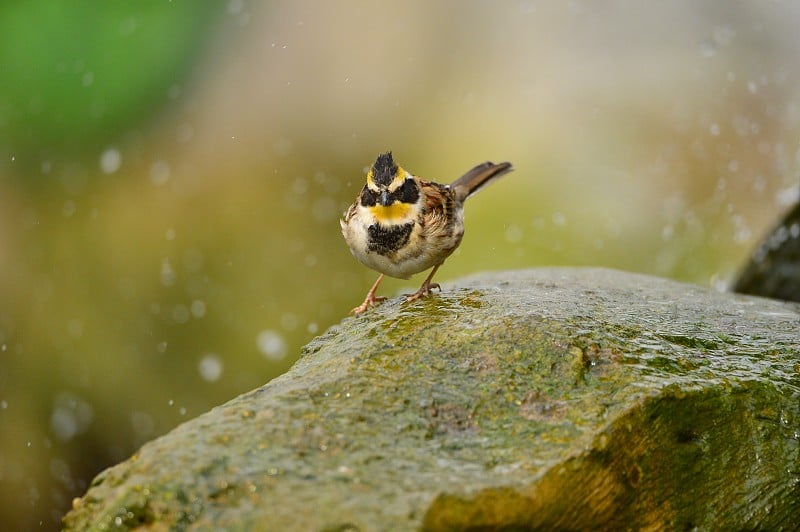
<point>368,302</point>
<point>424,291</point>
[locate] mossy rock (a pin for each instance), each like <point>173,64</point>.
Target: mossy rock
<point>539,399</point>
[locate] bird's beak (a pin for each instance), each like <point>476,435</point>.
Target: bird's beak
<point>385,199</point>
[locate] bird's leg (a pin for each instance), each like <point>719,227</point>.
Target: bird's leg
<point>426,287</point>
<point>370,300</point>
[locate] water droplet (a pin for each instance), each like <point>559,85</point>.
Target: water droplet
<point>180,313</point>
<point>271,344</point>
<point>210,367</point>
<point>68,209</point>
<point>282,146</point>
<point>708,49</point>
<point>289,321</point>
<point>71,416</point>
<point>167,274</point>
<point>300,186</point>
<point>723,35</point>
<point>159,173</point>
<point>513,233</point>
<point>198,308</point>
<point>235,7</point>
<point>110,161</point>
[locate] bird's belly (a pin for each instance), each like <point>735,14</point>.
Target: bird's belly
<point>402,268</point>
<point>409,260</point>
<point>396,255</point>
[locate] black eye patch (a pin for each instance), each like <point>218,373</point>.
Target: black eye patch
<point>368,197</point>
<point>407,193</point>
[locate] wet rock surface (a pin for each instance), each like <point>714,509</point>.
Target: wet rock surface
<point>550,398</point>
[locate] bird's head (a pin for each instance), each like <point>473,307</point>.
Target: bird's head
<point>391,193</point>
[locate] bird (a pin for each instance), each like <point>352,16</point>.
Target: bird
<point>401,224</point>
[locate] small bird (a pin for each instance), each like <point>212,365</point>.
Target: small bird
<point>401,224</point>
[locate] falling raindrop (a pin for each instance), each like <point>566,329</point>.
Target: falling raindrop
<point>210,367</point>
<point>71,416</point>
<point>167,275</point>
<point>159,173</point>
<point>271,344</point>
<point>198,308</point>
<point>110,161</point>
<point>289,321</point>
<point>513,233</point>
<point>180,313</point>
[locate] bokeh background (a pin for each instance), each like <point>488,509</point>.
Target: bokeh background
<point>172,173</point>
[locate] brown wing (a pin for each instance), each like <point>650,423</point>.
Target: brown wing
<point>438,205</point>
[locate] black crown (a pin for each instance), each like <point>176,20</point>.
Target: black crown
<point>384,169</point>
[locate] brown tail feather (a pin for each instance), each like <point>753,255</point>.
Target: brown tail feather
<point>475,179</point>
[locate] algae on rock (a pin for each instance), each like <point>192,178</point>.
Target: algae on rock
<point>552,398</point>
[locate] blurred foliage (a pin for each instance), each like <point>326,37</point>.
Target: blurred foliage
<point>193,159</point>
<point>78,74</point>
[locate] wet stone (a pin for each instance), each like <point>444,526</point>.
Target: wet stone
<point>549,398</point>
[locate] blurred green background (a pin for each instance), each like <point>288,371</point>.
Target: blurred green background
<point>172,172</point>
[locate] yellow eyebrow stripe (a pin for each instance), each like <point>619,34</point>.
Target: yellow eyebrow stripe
<point>396,212</point>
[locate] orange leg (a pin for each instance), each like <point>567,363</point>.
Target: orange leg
<point>370,300</point>
<point>426,287</point>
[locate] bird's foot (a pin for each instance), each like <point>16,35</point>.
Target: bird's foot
<point>424,291</point>
<point>369,301</point>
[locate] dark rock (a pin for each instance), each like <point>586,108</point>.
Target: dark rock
<point>774,269</point>
<point>541,399</point>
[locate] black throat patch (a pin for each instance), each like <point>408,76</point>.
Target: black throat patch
<point>385,240</point>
